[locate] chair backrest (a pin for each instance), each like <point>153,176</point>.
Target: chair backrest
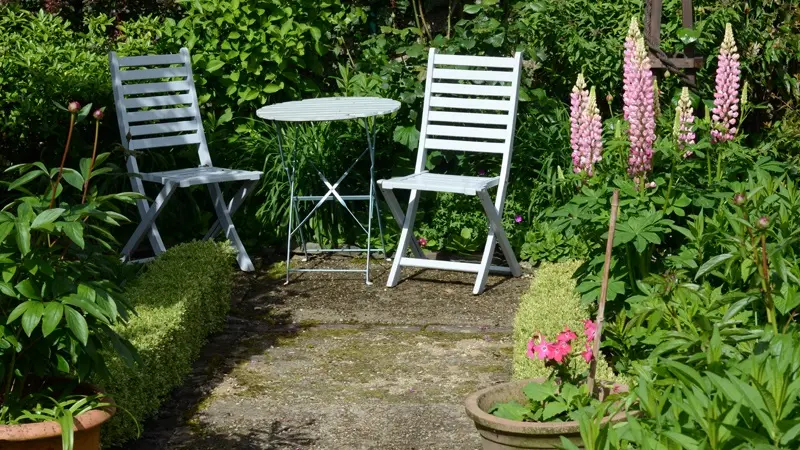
<point>157,103</point>
<point>470,105</point>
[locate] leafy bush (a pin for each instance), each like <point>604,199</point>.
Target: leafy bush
<point>182,297</point>
<point>44,60</point>
<point>549,305</point>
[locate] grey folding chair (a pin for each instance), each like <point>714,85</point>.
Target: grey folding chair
<point>157,107</point>
<point>470,105</point>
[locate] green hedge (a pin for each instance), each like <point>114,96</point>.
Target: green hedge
<point>550,304</point>
<point>182,297</point>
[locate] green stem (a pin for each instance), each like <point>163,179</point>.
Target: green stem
<point>63,160</point>
<point>765,286</point>
<point>9,377</point>
<point>719,166</point>
<point>669,186</point>
<point>708,163</point>
<point>629,257</point>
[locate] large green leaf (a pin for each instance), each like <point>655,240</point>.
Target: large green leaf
<point>46,217</point>
<point>23,237</point>
<point>25,179</point>
<point>539,392</point>
<point>53,311</point>
<point>32,317</point>
<point>18,311</point>
<point>5,230</point>
<point>74,231</point>
<point>86,305</point>
<point>711,264</point>
<point>511,410</point>
<point>72,177</point>
<point>27,288</point>
<point>77,324</point>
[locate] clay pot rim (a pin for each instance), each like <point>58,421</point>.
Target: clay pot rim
<point>42,430</point>
<point>484,419</point>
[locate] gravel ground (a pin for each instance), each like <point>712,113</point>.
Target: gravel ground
<point>327,362</point>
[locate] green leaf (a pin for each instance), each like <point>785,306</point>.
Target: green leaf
<point>23,236</point>
<point>712,263</point>
<point>25,179</point>
<point>511,410</point>
<point>539,392</point>
<point>77,324</point>
<point>18,311</point>
<point>53,311</point>
<point>408,136</point>
<point>472,9</point>
<point>28,289</point>
<point>47,216</point>
<point>74,231</point>
<point>272,88</point>
<point>6,289</point>
<point>86,305</point>
<point>214,65</point>
<point>61,364</point>
<point>682,440</point>
<point>568,445</point>
<point>32,317</point>
<point>553,409</point>
<point>5,230</point>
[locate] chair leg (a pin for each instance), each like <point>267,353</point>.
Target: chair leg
<point>227,225</point>
<point>405,237</point>
<point>486,264</point>
<point>496,224</point>
<point>399,217</point>
<point>147,225</point>
<point>137,186</point>
<point>233,206</point>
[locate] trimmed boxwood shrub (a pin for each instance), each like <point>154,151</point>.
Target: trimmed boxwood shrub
<point>550,304</point>
<point>182,297</point>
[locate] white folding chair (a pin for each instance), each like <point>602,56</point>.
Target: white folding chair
<point>470,105</point>
<point>157,107</point>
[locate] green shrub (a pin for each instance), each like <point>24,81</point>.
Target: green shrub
<point>182,297</point>
<point>550,304</point>
<point>44,60</point>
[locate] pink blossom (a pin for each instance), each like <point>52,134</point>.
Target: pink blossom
<point>422,242</point>
<point>578,100</point>
<point>481,172</point>
<point>560,350</point>
<point>587,134</point>
<point>587,354</point>
<point>589,329</point>
<point>566,336</point>
<point>638,102</point>
<point>518,219</point>
<point>650,185</point>
<point>726,103</point>
<point>73,107</point>
<point>541,350</point>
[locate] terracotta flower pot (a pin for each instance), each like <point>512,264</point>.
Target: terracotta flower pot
<point>504,434</point>
<point>47,435</point>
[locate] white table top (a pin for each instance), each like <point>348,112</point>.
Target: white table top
<point>328,108</point>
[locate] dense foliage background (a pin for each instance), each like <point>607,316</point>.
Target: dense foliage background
<point>250,53</point>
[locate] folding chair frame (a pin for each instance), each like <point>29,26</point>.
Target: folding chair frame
<point>493,210</point>
<point>190,120</point>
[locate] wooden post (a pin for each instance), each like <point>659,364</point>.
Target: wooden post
<point>601,306</point>
<point>685,64</point>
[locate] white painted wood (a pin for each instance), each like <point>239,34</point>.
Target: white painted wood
<point>473,61</point>
<point>160,100</point>
<point>151,60</point>
<point>399,217</point>
<point>233,206</point>
<point>328,109</point>
<point>467,138</point>
<point>153,88</point>
<point>485,90</point>
<point>473,75</point>
<point>469,146</point>
<point>467,132</point>
<point>460,117</point>
<point>160,114</point>
<point>449,265</point>
<point>164,128</point>
<point>142,205</point>
<point>151,131</point>
<point>228,229</point>
<point>470,103</point>
<point>148,219</point>
<point>151,74</point>
<point>436,182</point>
<point>169,141</point>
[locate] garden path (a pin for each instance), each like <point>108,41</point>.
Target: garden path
<point>329,363</point>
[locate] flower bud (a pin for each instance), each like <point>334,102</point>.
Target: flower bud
<point>763,222</point>
<point>609,98</point>
<point>74,107</point>
<point>739,199</point>
<point>98,114</point>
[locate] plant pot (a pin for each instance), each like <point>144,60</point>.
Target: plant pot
<point>47,435</point>
<point>504,434</point>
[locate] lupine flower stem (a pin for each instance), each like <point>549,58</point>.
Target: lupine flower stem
<point>638,104</point>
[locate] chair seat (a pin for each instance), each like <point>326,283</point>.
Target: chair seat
<point>435,182</point>
<point>200,175</point>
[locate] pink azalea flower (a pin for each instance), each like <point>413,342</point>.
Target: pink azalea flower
<point>587,354</point>
<point>566,336</point>
<point>726,102</point>
<point>589,329</point>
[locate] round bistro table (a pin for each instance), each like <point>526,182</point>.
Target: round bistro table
<point>328,109</point>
